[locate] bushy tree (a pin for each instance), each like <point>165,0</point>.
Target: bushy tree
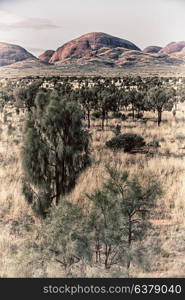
<point>88,100</point>
<point>106,99</point>
<point>160,99</point>
<point>59,236</point>
<point>25,95</point>
<point>55,149</point>
<point>110,231</point>
<point>119,215</point>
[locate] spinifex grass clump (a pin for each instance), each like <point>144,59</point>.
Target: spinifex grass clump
<point>127,142</point>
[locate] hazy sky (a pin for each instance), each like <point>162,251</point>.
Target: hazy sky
<point>38,25</point>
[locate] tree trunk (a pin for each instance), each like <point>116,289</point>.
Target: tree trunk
<point>129,239</point>
<point>103,120</point>
<point>107,119</point>
<point>57,185</point>
<point>107,254</point>
<point>133,112</point>
<point>63,179</point>
<point>159,119</point>
<point>88,118</point>
<point>98,256</point>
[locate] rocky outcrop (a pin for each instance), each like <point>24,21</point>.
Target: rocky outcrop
<point>10,54</point>
<point>152,49</point>
<point>88,45</point>
<point>134,58</point>
<point>180,54</point>
<point>95,49</point>
<point>173,47</point>
<point>46,56</point>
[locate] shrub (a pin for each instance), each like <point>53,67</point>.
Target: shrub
<point>127,141</point>
<point>139,115</point>
<point>117,115</point>
<point>123,117</point>
<point>117,130</point>
<point>180,137</point>
<point>96,114</point>
<point>154,143</point>
<point>130,115</point>
<point>11,129</point>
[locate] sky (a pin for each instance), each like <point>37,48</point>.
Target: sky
<point>38,25</point>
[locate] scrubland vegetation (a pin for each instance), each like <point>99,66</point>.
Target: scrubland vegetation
<point>108,200</point>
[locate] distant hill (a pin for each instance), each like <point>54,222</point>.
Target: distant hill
<point>179,54</point>
<point>28,63</point>
<point>173,47</point>
<point>46,56</point>
<point>87,45</point>
<point>99,48</point>
<point>10,54</point>
<point>152,49</point>
<point>94,51</point>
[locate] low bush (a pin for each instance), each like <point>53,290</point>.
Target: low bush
<point>130,115</point>
<point>123,117</point>
<point>96,114</point>
<point>127,142</point>
<point>139,115</point>
<point>117,115</point>
<point>117,130</point>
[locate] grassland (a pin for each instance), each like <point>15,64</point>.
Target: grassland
<point>165,243</point>
<point>22,69</point>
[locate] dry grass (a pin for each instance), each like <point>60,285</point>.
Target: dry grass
<point>166,162</point>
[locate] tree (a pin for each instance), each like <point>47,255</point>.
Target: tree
<point>58,235</point>
<point>25,95</point>
<point>55,149</point>
<point>103,227</point>
<point>106,103</point>
<point>116,219</point>
<point>136,197</point>
<point>87,99</point>
<point>132,98</point>
<point>119,215</point>
<point>160,99</point>
<point>181,94</point>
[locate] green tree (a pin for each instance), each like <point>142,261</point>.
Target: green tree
<point>25,95</point>
<point>132,98</point>
<point>87,99</point>
<point>160,99</point>
<point>106,103</point>
<point>136,197</point>
<point>119,215</point>
<point>59,236</point>
<point>55,149</point>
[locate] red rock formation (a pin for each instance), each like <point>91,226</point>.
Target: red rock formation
<point>46,56</point>
<point>87,45</point>
<point>10,54</point>
<point>173,47</point>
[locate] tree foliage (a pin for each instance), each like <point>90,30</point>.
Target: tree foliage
<point>120,215</point>
<point>25,95</point>
<point>55,148</point>
<point>160,99</point>
<point>116,221</point>
<point>59,234</point>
